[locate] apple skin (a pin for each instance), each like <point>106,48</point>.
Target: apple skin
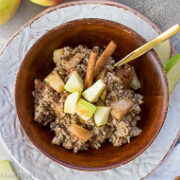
<point>46,2</point>
<point>8,9</point>
<point>172,68</point>
<point>85,109</point>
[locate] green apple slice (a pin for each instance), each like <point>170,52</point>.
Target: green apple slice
<point>74,83</point>
<point>84,109</point>
<point>101,115</point>
<point>6,172</point>
<point>164,51</point>
<point>93,92</point>
<point>70,103</point>
<point>172,68</point>
<point>57,55</point>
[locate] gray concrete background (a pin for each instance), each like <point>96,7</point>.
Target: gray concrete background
<point>164,13</point>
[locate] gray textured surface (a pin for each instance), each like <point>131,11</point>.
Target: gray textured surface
<point>163,13</point>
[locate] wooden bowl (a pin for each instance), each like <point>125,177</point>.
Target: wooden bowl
<point>38,63</point>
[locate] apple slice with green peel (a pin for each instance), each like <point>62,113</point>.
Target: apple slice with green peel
<point>84,109</point>
<point>93,92</point>
<point>164,51</point>
<point>55,81</point>
<point>74,83</point>
<point>172,68</point>
<point>57,55</point>
<point>101,115</point>
<point>70,103</point>
<point>6,172</point>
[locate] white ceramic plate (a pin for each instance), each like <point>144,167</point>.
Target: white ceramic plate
<point>23,152</point>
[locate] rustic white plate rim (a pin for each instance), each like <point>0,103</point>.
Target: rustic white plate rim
<point>77,4</point>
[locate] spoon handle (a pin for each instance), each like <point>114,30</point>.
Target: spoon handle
<point>149,45</point>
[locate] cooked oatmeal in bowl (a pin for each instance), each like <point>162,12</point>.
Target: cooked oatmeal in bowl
<point>86,101</point>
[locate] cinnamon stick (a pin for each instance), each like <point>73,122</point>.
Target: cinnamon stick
<point>90,70</point>
<point>102,60</point>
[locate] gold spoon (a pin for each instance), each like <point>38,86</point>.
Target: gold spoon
<point>149,45</point>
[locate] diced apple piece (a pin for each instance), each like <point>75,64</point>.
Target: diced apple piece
<point>81,133</point>
<point>6,172</point>
<point>84,109</point>
<point>120,108</point>
<point>101,115</point>
<point>135,83</point>
<point>92,93</point>
<point>57,55</point>
<point>55,81</point>
<point>70,103</point>
<point>74,83</point>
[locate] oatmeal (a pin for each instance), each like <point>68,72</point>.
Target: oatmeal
<point>86,101</point>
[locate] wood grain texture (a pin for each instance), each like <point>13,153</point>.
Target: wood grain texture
<point>38,63</point>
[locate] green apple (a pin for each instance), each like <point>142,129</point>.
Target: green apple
<point>55,81</point>
<point>57,55</point>
<point>46,2</point>
<point>70,103</point>
<point>172,68</point>
<point>74,83</point>
<point>93,92</point>
<point>6,172</point>
<point>164,51</point>
<point>8,9</point>
<point>85,109</point>
<point>101,115</point>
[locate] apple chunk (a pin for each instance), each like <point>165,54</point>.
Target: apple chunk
<point>70,103</point>
<point>74,83</point>
<point>101,115</point>
<point>55,81</point>
<point>57,55</point>
<point>92,93</point>
<point>81,133</point>
<point>84,109</point>
<point>6,172</point>
<point>120,108</point>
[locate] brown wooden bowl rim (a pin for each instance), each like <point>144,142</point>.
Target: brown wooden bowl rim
<point>104,167</point>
